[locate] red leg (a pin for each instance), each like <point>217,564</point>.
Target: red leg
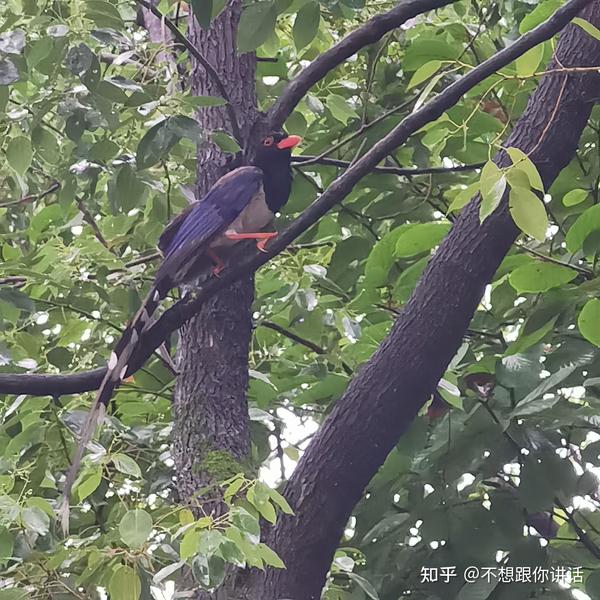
<point>262,238</point>
<point>219,264</point>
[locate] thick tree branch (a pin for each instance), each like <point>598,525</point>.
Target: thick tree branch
<point>388,391</point>
<point>372,31</point>
<point>245,262</point>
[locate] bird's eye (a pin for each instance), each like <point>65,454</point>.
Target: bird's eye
<point>268,141</point>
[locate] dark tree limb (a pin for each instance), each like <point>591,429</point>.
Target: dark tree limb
<point>381,401</point>
<point>248,262</point>
<point>372,31</point>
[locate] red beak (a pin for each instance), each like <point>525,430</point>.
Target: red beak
<point>289,142</point>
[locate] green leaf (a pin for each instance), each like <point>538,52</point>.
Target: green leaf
<point>256,25</point>
<point>104,14</point>
<point>574,197</point>
<point>124,584</point>
<point>588,221</point>
<point>587,27</point>
<point>524,163</point>
<point>528,213</point>
<point>225,142</point>
<point>592,585</point>
<point>364,585</point>
<point>427,48</point>
<point>478,590</point>
<point>278,499</point>
<point>463,197</point>
<point>126,191</point>
<point>35,520</point>
<point>543,11</point>
<point>270,556</point>
<point>339,108</point>
<point>424,72</point>
<point>189,543</point>
<point>427,90</point>
<point>19,154</point>
<point>126,464</point>
<point>420,238</point>
<point>382,257</point>
<point>203,10</point>
<point>167,571</point>
<point>135,527</point>
<point>492,185</point>
<point>539,276</point>
<point>159,139</point>
<point>528,63</point>
<point>88,484</point>
<point>536,400</point>
<point>6,544</point>
<point>59,357</point>
<point>527,340</point>
<point>306,24</point>
<point>259,497</point>
<point>14,594</point>
<point>589,321</point>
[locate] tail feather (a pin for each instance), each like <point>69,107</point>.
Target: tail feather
<point>117,370</point>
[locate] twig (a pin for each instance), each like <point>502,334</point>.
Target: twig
<point>89,219</point>
<point>305,161</point>
<point>588,273</point>
<point>302,341</point>
<point>361,130</point>
<point>184,41</point>
<point>32,197</point>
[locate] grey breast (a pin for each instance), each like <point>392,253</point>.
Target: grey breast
<point>252,219</point>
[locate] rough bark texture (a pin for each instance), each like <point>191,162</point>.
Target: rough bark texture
<point>211,413</point>
<point>386,394</point>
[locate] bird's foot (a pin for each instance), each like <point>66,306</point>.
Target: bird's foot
<point>217,269</point>
<point>262,243</point>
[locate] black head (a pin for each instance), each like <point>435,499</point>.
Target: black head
<point>273,156</point>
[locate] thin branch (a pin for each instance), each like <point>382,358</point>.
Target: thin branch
<point>305,161</point>
<point>587,273</point>
<point>184,41</point>
<point>14,280</point>
<point>33,197</point>
<point>303,342</point>
<point>372,31</point>
<point>245,263</point>
<point>363,128</point>
<point>89,219</point>
<point>294,337</point>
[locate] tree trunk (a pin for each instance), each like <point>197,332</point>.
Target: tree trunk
<point>388,391</point>
<point>210,433</point>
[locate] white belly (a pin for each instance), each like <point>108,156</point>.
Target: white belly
<point>251,220</point>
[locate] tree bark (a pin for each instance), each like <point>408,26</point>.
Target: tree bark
<point>211,431</point>
<point>388,391</point>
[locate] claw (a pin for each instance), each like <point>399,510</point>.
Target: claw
<point>262,243</point>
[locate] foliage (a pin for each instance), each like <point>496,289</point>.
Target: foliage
<point>84,103</point>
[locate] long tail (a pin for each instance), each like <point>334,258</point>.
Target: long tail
<point>117,370</point>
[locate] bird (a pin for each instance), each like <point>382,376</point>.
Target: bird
<point>237,207</point>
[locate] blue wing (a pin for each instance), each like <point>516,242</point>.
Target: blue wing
<point>206,219</point>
